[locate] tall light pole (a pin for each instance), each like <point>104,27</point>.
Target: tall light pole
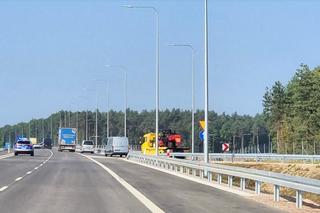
<point>51,127</point>
<point>77,119</point>
<point>193,87</point>
<point>124,69</point>
<point>206,90</point>
<point>105,81</point>
<point>86,121</point>
<point>157,64</point>
<point>96,121</point>
<point>108,109</point>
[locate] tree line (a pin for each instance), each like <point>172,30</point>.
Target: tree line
<point>292,112</point>
<point>234,129</point>
<point>289,122</point>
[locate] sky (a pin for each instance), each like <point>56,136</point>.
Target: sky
<point>51,52</point>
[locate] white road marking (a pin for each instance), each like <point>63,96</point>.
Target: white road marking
<point>19,178</point>
<point>6,156</point>
<point>197,180</point>
<point>143,199</point>
<point>3,188</point>
<point>94,156</point>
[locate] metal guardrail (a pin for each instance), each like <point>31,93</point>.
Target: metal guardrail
<point>255,157</point>
<point>206,171</point>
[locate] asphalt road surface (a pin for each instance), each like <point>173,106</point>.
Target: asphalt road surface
<point>175,194</point>
<point>71,183</point>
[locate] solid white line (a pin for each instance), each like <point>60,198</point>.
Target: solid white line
<point>6,156</point>
<point>19,178</point>
<point>143,199</point>
<point>94,156</point>
<point>3,188</point>
<point>196,179</point>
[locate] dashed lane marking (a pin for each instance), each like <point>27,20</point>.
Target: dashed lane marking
<point>19,178</point>
<point>3,188</point>
<point>28,173</point>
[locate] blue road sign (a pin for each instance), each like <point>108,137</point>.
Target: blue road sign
<point>7,145</point>
<point>201,135</point>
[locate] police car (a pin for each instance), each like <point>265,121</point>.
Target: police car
<point>23,146</point>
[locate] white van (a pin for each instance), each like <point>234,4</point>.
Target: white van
<point>87,146</point>
<point>116,146</point>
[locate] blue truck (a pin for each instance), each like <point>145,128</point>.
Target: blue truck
<point>67,139</point>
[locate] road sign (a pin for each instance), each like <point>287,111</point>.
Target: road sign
<point>201,135</point>
<point>7,145</point>
<point>225,147</point>
<point>202,124</point>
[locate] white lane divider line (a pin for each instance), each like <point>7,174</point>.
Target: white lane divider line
<point>3,188</point>
<point>28,173</point>
<point>19,178</point>
<point>6,156</point>
<point>143,199</point>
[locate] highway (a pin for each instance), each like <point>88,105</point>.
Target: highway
<point>70,182</point>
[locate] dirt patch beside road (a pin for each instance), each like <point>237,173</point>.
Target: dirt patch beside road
<point>303,170</point>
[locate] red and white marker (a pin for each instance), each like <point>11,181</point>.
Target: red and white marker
<point>225,147</point>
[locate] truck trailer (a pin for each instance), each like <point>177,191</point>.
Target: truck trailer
<point>67,139</point>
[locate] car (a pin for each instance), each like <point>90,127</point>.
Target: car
<point>23,147</point>
<point>87,146</point>
<point>116,146</point>
<point>47,143</point>
<point>38,146</point>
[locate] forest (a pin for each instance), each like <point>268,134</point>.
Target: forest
<point>289,122</point>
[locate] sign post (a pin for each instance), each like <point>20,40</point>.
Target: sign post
<point>7,146</point>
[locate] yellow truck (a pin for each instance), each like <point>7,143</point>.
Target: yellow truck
<point>168,141</point>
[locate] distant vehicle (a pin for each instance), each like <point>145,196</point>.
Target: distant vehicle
<point>23,147</point>
<point>67,139</point>
<point>87,146</point>
<point>38,146</point>
<point>168,141</point>
<point>116,146</point>
<point>47,143</point>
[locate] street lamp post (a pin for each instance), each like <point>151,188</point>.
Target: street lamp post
<point>107,104</point>
<point>206,91</point>
<point>124,69</point>
<point>157,64</point>
<point>193,87</point>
